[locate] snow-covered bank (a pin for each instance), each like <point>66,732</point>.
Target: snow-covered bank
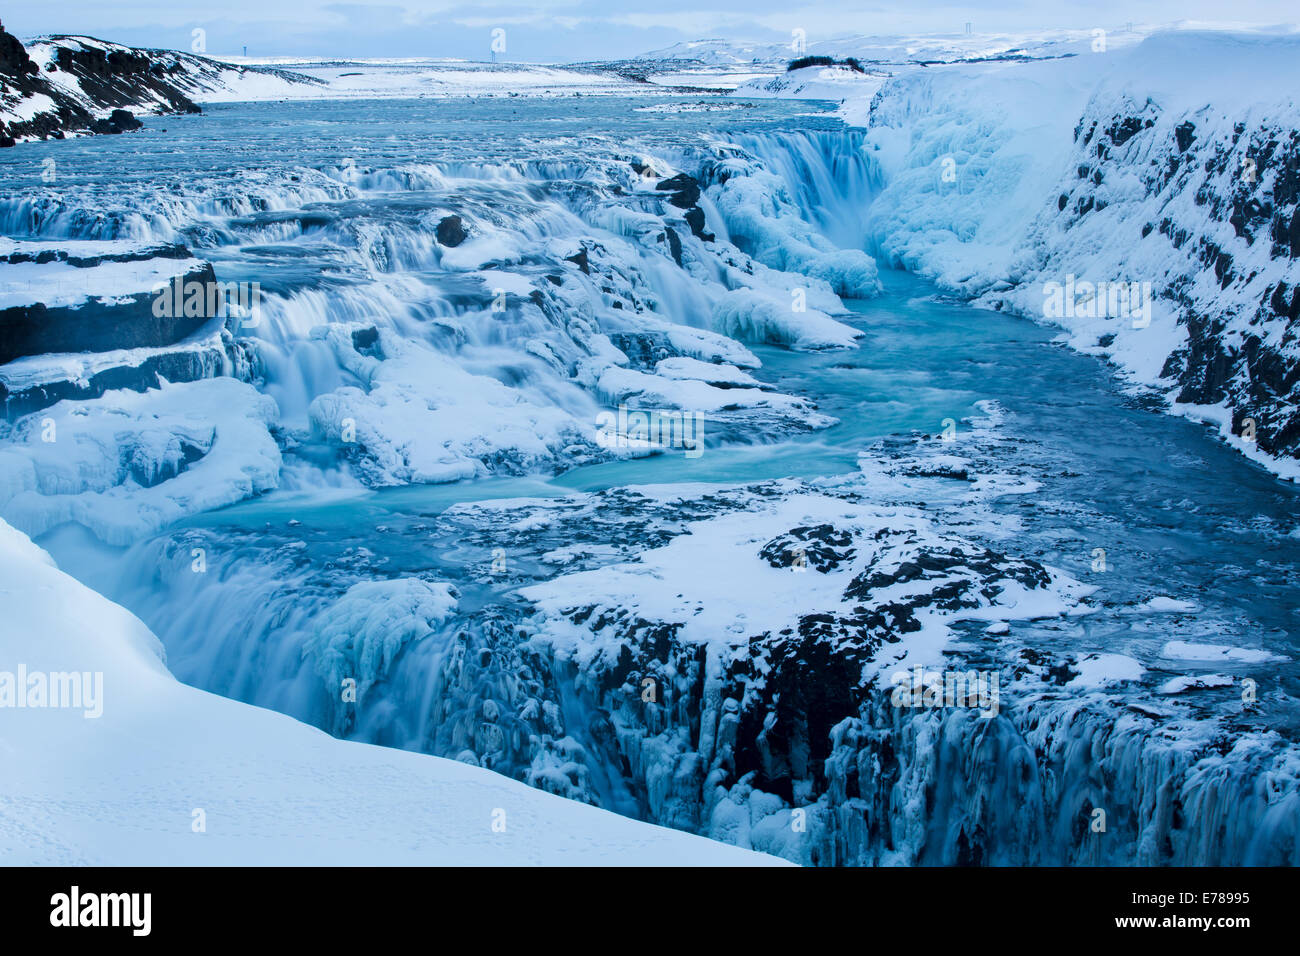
<point>817,83</point>
<point>165,774</point>
<point>1012,183</point>
<point>705,65</point>
<point>413,78</point>
<point>67,85</point>
<point>895,50</point>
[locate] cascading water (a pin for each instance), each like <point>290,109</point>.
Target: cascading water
<point>828,174</point>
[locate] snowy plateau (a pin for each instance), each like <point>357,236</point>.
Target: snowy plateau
<point>362,575</point>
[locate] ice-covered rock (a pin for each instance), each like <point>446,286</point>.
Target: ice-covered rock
<point>753,317</point>
<point>425,419</point>
<point>130,463</point>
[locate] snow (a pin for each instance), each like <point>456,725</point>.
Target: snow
<point>900,49</point>
<point>819,83</point>
<point>1189,651</point>
<point>495,279</point>
<point>618,385</point>
<point>713,79</point>
<point>682,367</point>
<point>1102,670</point>
<point>170,775</point>
<point>201,78</point>
<point>83,248</point>
<point>359,636</point>
<point>1001,134</point>
<point>1165,604</point>
<point>58,284</point>
<point>27,108</point>
<point>716,585</point>
<point>1179,685</point>
<point>752,316</point>
<point>377,78</point>
<point>709,346</point>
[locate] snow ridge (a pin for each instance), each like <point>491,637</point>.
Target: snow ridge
<point>130,787</point>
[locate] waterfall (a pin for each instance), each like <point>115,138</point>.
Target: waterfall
<point>828,174</point>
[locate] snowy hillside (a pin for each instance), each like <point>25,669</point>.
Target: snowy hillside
<point>66,84</point>
<point>152,772</point>
<point>895,50</point>
<point>382,78</point>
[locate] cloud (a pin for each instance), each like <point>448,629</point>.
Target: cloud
<point>561,30</point>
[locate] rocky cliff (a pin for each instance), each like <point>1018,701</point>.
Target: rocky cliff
<point>65,85</point>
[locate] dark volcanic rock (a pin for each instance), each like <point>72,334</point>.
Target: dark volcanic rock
<point>821,547</point>
<point>119,121</point>
<point>451,231</point>
<point>695,219</point>
<point>93,326</point>
<point>674,245</point>
<point>364,340</point>
<point>174,250</point>
<point>685,189</point>
<point>643,349</point>
<point>118,77</point>
<point>580,260</point>
<point>85,79</point>
<point>1218,216</point>
<point>14,61</point>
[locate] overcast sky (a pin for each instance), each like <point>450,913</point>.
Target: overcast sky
<point>566,30</point>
